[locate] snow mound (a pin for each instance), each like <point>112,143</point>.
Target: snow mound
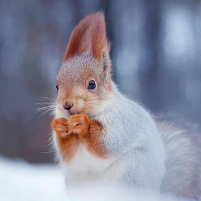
<point>20,181</point>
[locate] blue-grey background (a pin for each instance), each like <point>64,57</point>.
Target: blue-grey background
<point>156,54</point>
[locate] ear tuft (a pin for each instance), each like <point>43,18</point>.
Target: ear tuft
<point>89,35</point>
<point>98,37</point>
<point>79,39</point>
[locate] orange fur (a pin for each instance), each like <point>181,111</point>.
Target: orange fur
<point>68,146</point>
<point>90,133</point>
<point>68,143</point>
<point>89,34</point>
<point>78,42</point>
<point>98,36</point>
<point>79,128</point>
<point>93,140</point>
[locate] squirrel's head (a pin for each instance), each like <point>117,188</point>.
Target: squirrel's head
<point>84,80</point>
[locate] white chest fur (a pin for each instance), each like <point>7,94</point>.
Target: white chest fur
<point>85,162</point>
<point>86,167</point>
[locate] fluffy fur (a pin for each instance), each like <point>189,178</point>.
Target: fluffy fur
<point>183,164</point>
<point>133,151</point>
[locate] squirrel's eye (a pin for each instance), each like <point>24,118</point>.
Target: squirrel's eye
<point>57,87</point>
<point>91,85</point>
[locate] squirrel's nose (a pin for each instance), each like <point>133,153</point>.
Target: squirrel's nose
<point>67,106</point>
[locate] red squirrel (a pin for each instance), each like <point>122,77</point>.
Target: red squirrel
<point>100,135</point>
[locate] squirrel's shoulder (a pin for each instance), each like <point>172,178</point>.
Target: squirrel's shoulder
<point>124,109</point>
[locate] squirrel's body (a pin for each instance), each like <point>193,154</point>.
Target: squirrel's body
<point>99,134</point>
<point>135,146</point>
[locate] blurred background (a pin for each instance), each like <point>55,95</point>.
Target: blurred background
<point>156,54</point>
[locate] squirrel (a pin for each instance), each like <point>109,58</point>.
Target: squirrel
<point>100,135</point>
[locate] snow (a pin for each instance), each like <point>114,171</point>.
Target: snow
<point>21,181</point>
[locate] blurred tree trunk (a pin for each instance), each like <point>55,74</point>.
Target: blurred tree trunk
<point>150,65</point>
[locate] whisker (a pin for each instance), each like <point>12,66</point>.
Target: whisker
<point>46,98</point>
<point>45,103</point>
<point>45,108</point>
<point>47,152</point>
<point>43,113</point>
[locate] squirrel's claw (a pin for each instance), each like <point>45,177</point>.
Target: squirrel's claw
<point>78,124</point>
<point>60,126</point>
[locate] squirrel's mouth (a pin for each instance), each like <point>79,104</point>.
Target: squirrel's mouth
<point>74,111</point>
<point>71,110</point>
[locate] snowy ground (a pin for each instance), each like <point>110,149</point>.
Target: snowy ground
<point>20,181</point>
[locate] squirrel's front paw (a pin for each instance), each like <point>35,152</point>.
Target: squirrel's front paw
<point>60,126</point>
<point>78,124</point>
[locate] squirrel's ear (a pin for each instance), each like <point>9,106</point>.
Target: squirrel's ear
<point>80,39</point>
<point>100,46</point>
<point>89,36</point>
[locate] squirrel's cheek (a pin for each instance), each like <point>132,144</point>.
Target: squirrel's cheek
<point>80,103</point>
